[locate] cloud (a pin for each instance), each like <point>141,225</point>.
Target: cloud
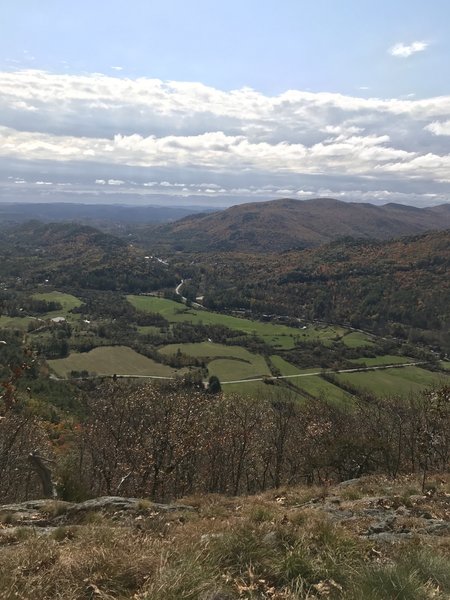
<point>439,128</point>
<point>402,50</point>
<point>121,137</point>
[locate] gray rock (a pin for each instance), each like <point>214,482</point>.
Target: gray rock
<point>436,527</point>
<point>119,503</point>
<point>381,526</point>
<point>348,482</point>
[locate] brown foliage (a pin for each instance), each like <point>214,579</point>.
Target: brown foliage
<point>171,442</point>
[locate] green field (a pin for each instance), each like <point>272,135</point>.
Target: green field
<point>67,301</point>
<point>319,388</point>
<point>15,322</point>
<point>313,385</point>
<point>287,368</point>
<point>149,329</point>
<point>209,350</point>
<point>357,339</point>
<point>402,381</point>
<point>228,363</point>
<point>231,363</point>
<point>107,360</point>
<point>261,390</point>
<point>276,335</point>
<point>386,359</point>
<point>284,366</point>
<point>231,370</point>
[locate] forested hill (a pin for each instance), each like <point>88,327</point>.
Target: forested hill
<point>72,255</point>
<point>370,284</point>
<point>286,224</point>
<point>62,238</point>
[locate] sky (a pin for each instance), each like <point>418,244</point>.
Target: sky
<point>216,103</point>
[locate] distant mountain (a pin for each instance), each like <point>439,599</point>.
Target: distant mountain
<point>286,224</point>
<point>97,214</point>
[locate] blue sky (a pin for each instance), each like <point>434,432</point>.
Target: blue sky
<point>283,89</point>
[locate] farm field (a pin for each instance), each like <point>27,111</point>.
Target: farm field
<point>261,390</point>
<point>234,369</point>
<point>67,301</point>
<point>386,359</point>
<point>274,334</point>
<point>110,360</point>
<point>285,367</point>
<point>228,363</point>
<point>209,350</point>
<point>314,385</point>
<point>231,363</point>
<point>356,339</point>
<point>319,388</point>
<point>400,381</point>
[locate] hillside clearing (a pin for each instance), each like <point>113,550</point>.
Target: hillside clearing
<point>67,301</point>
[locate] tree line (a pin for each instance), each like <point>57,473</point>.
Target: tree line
<point>165,442</point>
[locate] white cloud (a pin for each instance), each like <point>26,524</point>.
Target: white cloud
<point>167,136</point>
<point>402,50</point>
<point>117,68</point>
<point>439,128</point>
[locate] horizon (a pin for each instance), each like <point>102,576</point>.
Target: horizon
<point>203,207</point>
<point>186,105</point>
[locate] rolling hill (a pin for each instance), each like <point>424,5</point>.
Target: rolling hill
<point>369,284</point>
<point>73,255</point>
<point>285,224</point>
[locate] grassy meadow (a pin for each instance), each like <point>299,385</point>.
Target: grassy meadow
<point>402,381</point>
<point>15,322</point>
<point>110,360</point>
<point>273,334</point>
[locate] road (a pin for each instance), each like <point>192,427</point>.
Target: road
<point>178,288</point>
<point>266,378</point>
<point>183,299</point>
<point>330,372</point>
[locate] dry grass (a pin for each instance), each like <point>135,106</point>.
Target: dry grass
<point>275,546</point>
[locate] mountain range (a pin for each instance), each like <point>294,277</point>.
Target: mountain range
<point>285,224</point>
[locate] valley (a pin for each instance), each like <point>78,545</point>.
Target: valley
<point>224,300</point>
<point>349,321</point>
<point>146,372</point>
